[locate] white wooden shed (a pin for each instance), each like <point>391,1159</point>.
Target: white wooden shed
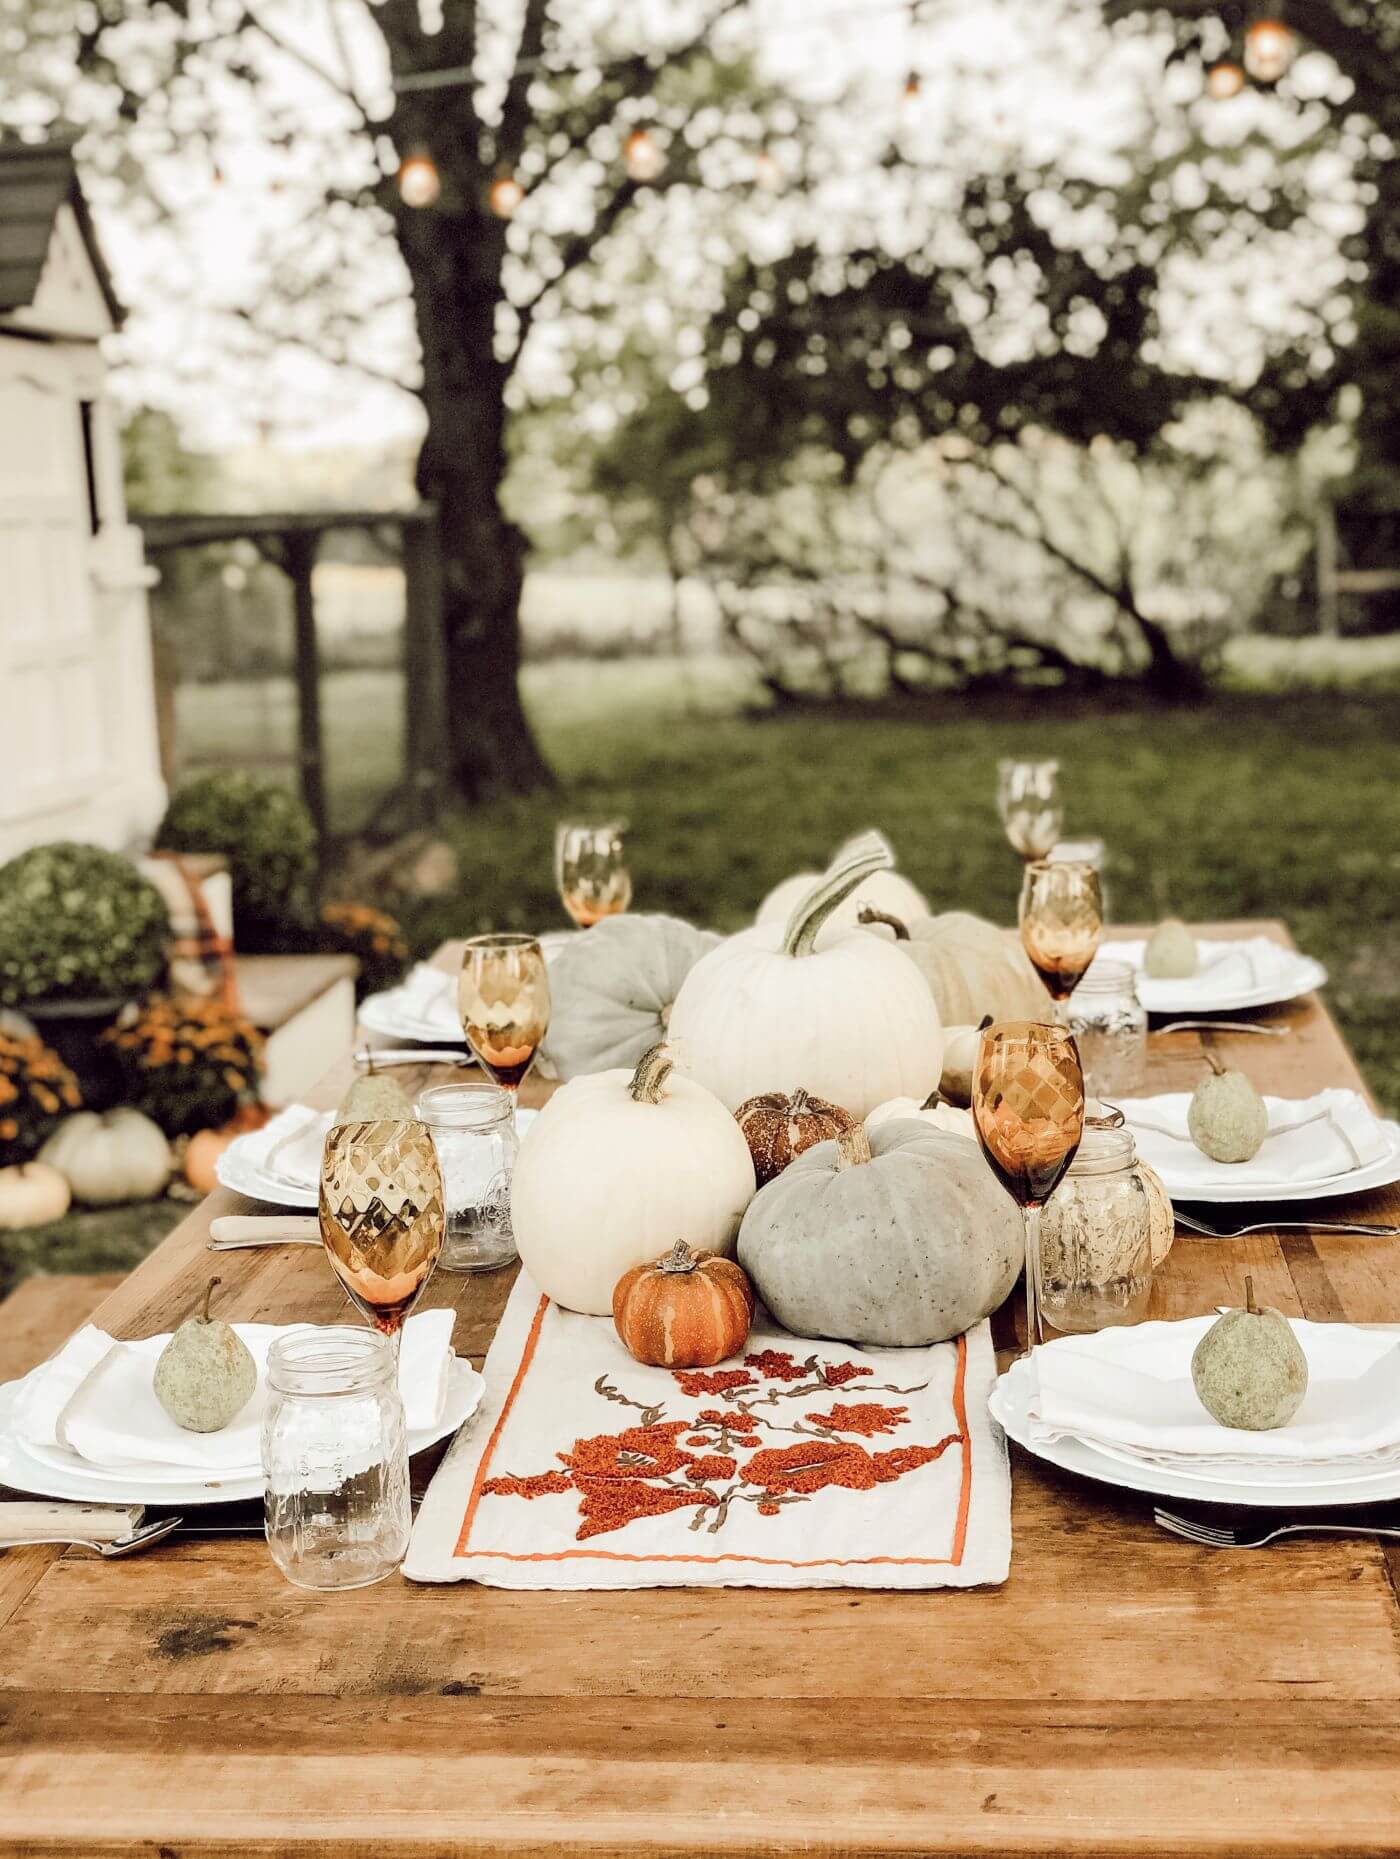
<point>79,754</point>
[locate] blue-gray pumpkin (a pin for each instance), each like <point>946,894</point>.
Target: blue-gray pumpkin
<point>902,1236</point>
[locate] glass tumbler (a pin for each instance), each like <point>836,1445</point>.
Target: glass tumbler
<point>473,1127</point>
<point>1096,1238</point>
<point>1110,1025</point>
<point>335,1458</point>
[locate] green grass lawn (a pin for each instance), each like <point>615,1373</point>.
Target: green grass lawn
<point>1256,805</point>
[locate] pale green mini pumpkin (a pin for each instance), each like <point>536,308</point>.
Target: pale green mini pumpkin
<point>611,989</point>
<point>899,1237</point>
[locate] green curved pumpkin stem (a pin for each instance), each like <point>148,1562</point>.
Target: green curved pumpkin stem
<point>865,855</point>
<point>208,1293</point>
<point>852,1148</point>
<point>653,1069</point>
<point>679,1259</point>
<point>869,914</point>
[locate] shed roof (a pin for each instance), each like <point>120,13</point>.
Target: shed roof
<point>36,180</point>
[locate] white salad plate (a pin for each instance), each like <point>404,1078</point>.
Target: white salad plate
<point>1193,994</point>
<point>238,1170</point>
<point>51,1472</point>
<point>1222,1187</point>
<point>398,1013</point>
<point>1222,1485</point>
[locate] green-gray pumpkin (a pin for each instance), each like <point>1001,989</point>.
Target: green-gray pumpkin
<point>611,989</point>
<point>902,1237</point>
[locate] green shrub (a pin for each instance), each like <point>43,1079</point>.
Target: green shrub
<point>267,836</point>
<point>78,923</point>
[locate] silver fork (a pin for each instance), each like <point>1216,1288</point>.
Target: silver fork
<point>143,1537</point>
<point>1372,1231</point>
<point>1212,1536</point>
<point>1224,1026</point>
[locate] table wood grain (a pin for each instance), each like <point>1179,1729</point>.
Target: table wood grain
<point>1123,1693</point>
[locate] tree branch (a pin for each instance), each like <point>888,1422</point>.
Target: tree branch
<point>572,253</point>
<point>343,360</point>
<point>515,111</point>
<point>288,49</point>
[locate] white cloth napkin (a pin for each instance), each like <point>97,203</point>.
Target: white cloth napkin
<point>1310,1139</point>
<point>96,1398</point>
<point>289,1147</point>
<point>1225,971</point>
<point>1130,1390</point>
<point>429,996</point>
<point>796,1465</point>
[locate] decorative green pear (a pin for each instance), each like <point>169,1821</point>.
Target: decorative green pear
<point>205,1375</point>
<point>374,1097</point>
<point>1226,1116</point>
<point>1249,1368</point>
<point>1171,953</point>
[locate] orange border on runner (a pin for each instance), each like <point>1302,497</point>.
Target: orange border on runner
<point>527,1356</point>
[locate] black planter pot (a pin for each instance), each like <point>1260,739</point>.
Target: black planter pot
<point>74,1029</point>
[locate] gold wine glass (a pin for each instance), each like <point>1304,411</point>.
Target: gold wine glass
<point>1028,1110</point>
<point>1061,917</point>
<point>1028,800</point>
<point>503,997</point>
<point>383,1216</point>
<point>591,872</point>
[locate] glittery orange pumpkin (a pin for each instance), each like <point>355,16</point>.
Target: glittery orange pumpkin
<point>688,1310</point>
<point>779,1125</point>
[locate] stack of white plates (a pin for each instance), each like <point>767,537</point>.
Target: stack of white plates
<point>1230,977</point>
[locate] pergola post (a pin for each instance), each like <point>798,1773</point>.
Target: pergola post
<point>299,556</point>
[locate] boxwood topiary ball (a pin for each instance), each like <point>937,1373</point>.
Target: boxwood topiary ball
<point>78,923</point>
<point>266,834</point>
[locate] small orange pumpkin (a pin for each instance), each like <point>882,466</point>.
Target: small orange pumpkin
<point>778,1126</point>
<point>202,1153</point>
<point>688,1310</point>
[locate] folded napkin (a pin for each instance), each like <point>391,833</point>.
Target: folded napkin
<point>95,1397</point>
<point>1226,970</point>
<point>290,1145</point>
<point>1130,1390</point>
<point>796,1465</point>
<point>1310,1139</point>
<point>429,996</point>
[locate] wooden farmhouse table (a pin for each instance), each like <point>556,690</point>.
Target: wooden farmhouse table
<point>1123,1693</point>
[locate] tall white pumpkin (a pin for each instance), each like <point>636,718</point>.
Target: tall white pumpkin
<point>616,1168</point>
<point>880,890</point>
<point>850,1020</point>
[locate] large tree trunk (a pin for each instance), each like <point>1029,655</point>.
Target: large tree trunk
<point>454,264</point>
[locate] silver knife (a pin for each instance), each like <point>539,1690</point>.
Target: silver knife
<point>37,1520</point>
<point>232,1232</point>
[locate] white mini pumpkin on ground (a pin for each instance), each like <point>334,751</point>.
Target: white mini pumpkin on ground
<point>847,1019</point>
<point>617,1167</point>
<point>903,1237</point>
<point>881,890</point>
<point>612,988</point>
<point>935,1110</point>
<point>31,1194</point>
<point>111,1157</point>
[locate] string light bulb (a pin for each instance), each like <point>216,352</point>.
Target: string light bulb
<point>1225,79</point>
<point>642,158</point>
<point>506,195</point>
<point>419,182</point>
<point>913,87</point>
<point>1269,50</point>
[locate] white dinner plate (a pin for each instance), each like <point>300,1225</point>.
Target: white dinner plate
<point>390,1016</point>
<point>52,1473</point>
<point>1007,1406</point>
<point>1221,1189</point>
<point>1190,995</point>
<point>239,1171</point>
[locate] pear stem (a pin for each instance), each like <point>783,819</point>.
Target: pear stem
<point>1213,1061</point>
<point>1249,1296</point>
<point>209,1292</point>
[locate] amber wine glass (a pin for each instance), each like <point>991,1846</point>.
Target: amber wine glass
<point>503,997</point>
<point>1028,1110</point>
<point>1061,917</point>
<point>383,1216</point>
<point>591,872</point>
<point>1028,800</point>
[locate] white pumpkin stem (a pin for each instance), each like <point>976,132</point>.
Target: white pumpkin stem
<point>933,1100</point>
<point>869,914</point>
<point>679,1259</point>
<point>853,1147</point>
<point>653,1069</point>
<point>869,853</point>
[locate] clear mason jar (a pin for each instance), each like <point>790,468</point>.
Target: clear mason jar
<point>473,1127</point>
<point>1096,1238</point>
<point>1109,1024</point>
<point>335,1458</point>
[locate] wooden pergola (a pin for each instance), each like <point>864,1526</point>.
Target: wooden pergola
<point>292,542</point>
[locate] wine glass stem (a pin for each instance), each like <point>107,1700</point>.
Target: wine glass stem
<point>1034,1331</point>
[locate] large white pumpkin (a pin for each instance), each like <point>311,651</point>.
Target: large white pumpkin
<point>616,1168</point>
<point>880,890</point>
<point>849,1020</point>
